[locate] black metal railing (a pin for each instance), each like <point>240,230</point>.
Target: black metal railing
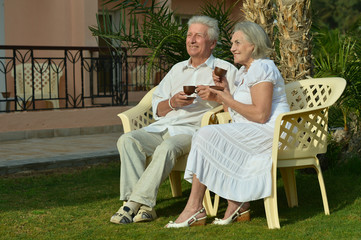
<point>137,72</point>
<point>40,77</point>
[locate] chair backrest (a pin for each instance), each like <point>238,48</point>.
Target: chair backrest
<point>45,83</point>
<point>314,92</point>
<point>304,133</point>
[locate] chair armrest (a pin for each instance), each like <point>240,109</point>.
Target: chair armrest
<point>210,117</point>
<point>301,133</point>
<point>141,115</point>
<point>224,117</point>
<point>138,116</point>
<point>305,110</point>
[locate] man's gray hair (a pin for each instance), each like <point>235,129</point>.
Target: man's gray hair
<point>211,23</point>
<point>255,35</point>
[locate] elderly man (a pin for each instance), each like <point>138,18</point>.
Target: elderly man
<point>177,119</point>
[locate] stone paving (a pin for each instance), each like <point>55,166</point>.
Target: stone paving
<point>48,153</point>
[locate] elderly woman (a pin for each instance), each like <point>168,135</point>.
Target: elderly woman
<point>234,160</point>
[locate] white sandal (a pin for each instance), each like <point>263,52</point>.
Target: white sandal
<point>192,221</point>
<point>238,216</point>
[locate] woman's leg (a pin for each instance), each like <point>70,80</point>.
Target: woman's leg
<point>195,200</point>
<point>232,207</point>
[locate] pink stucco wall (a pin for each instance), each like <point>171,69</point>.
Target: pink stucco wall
<point>192,7</point>
<point>65,118</point>
<point>50,22</point>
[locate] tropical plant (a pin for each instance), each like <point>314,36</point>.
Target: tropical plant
<point>219,10</point>
<point>151,26</point>
<point>339,55</point>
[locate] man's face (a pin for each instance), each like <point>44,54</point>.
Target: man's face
<point>198,43</point>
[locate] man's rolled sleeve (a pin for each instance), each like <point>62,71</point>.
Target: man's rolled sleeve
<point>155,103</point>
<point>162,93</point>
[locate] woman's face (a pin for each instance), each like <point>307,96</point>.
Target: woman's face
<point>242,50</point>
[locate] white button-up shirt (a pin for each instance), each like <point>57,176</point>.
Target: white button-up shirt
<point>187,120</point>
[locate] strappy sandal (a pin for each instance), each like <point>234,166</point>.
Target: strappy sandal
<point>236,216</point>
<point>192,221</point>
<point>124,215</point>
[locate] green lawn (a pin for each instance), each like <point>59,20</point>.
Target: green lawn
<point>78,204</point>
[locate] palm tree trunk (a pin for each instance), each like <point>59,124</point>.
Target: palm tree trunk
<point>294,23</point>
<point>260,12</point>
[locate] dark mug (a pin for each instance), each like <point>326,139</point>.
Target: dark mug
<point>189,90</point>
<point>220,72</point>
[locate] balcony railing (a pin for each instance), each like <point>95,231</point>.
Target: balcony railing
<point>39,77</point>
<point>137,72</point>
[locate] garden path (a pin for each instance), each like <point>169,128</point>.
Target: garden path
<point>24,155</point>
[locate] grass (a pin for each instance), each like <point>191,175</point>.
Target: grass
<point>77,204</point>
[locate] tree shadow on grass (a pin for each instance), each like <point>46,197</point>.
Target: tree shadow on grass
<point>62,188</point>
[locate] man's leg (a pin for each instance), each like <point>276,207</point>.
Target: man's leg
<point>163,160</point>
<point>134,148</point>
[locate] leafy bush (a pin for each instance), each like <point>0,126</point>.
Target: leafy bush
<point>337,14</point>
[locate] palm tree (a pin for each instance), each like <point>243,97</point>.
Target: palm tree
<point>294,24</point>
<point>260,12</point>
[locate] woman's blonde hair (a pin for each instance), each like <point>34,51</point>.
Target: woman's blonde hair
<point>255,35</point>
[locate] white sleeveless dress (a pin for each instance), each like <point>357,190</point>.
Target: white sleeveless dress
<point>234,160</point>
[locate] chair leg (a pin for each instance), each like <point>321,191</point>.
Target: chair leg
<point>270,203</point>
<point>175,183</point>
<point>322,188</point>
<point>271,209</point>
<point>289,182</point>
<point>211,209</point>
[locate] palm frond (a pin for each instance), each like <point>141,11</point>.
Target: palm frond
<point>220,11</point>
<point>150,25</point>
<point>338,55</point>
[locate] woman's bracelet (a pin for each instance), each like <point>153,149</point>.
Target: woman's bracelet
<point>170,105</point>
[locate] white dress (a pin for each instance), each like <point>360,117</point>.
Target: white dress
<point>234,160</point>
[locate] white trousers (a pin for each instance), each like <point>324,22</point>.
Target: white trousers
<point>139,183</point>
